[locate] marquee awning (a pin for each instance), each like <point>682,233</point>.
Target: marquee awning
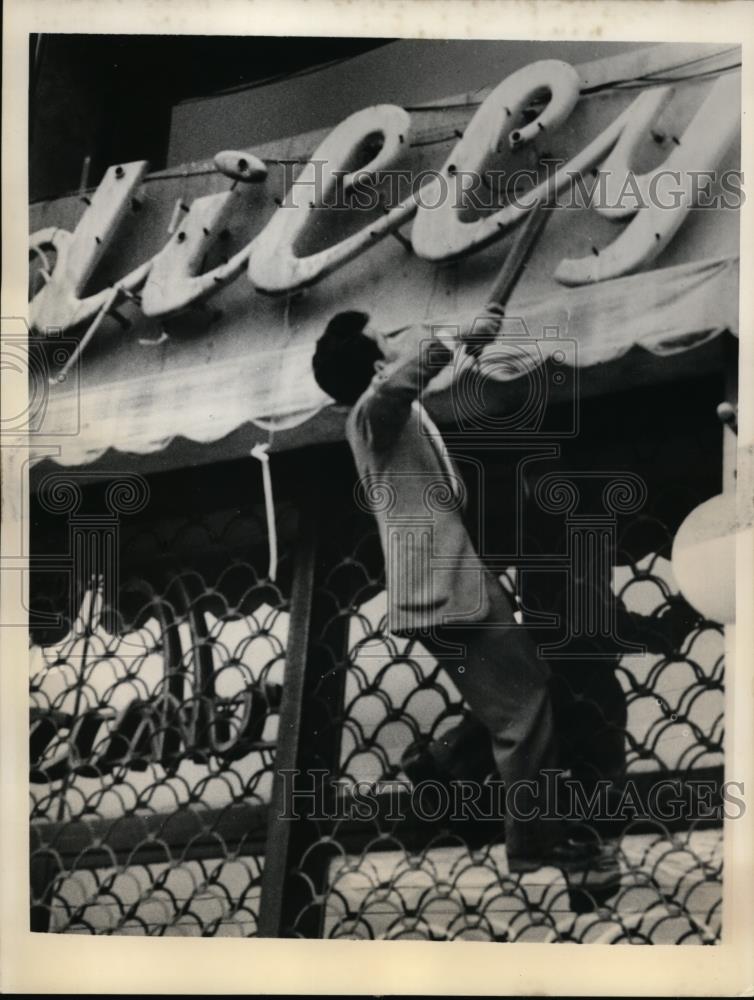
<point>210,355</point>
<point>662,313</point>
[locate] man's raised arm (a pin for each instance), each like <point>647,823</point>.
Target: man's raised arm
<point>385,407</point>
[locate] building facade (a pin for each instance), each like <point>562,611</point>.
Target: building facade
<point>214,690</point>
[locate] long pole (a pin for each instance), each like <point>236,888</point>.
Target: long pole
<point>519,253</point>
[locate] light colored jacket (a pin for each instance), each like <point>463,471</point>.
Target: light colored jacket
<point>434,575</point>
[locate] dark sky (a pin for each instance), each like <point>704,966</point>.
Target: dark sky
<point>120,98</point>
<point>111,96</point>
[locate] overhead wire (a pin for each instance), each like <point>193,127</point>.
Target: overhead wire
<point>658,77</point>
<point>625,83</point>
<point>294,74</point>
<point>631,83</point>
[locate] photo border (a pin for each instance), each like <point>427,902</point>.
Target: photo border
<point>82,964</point>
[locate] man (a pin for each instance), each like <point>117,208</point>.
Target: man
<point>438,590</point>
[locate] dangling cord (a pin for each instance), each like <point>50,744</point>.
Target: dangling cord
<point>261,452</point>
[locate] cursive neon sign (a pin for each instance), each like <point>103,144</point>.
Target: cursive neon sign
<point>171,279</point>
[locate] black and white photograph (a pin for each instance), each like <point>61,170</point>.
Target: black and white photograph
<point>378,481</point>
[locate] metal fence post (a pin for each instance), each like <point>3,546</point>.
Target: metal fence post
<point>295,875</point>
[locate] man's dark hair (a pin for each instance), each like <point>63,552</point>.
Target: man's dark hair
<point>344,358</point>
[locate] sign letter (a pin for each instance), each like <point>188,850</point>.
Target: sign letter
<point>273,265</point>
<point>58,304</point>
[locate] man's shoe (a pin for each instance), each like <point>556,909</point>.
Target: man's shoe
<point>591,871</point>
<point>463,753</point>
<point>594,887</point>
<point>568,855</point>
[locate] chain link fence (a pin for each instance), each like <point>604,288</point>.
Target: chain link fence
<point>164,730</point>
<point>152,743</point>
